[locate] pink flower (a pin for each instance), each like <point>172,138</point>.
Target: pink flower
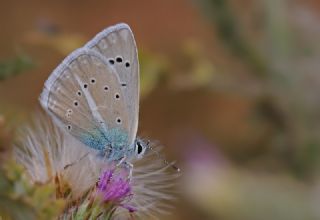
<point>115,187</point>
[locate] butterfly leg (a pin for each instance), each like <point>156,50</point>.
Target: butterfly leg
<point>121,161</point>
<point>129,166</point>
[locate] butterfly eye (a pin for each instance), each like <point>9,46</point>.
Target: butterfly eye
<point>85,85</point>
<point>75,103</point>
<point>139,149</point>
<point>79,93</point>
<point>117,96</point>
<point>69,127</point>
<point>118,120</point>
<point>105,88</point>
<point>93,80</point>
<point>127,64</point>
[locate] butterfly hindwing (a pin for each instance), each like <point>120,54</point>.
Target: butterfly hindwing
<point>84,95</point>
<point>118,46</point>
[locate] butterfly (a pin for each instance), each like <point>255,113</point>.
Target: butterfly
<point>94,95</point>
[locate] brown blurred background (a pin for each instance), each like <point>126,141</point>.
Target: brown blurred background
<point>230,88</point>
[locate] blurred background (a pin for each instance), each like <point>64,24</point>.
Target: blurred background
<point>230,88</point>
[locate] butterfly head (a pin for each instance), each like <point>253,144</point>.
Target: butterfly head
<point>140,147</point>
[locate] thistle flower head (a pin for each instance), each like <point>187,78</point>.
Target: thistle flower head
<point>92,188</point>
<point>115,188</point>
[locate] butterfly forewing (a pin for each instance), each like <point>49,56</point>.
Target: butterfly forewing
<point>118,46</point>
<point>85,96</point>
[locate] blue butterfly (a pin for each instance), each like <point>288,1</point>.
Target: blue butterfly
<point>94,95</point>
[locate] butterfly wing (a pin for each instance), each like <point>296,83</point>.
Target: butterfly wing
<point>118,46</point>
<point>84,95</point>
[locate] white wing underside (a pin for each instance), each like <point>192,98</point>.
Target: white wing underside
<point>118,41</point>
<point>92,89</point>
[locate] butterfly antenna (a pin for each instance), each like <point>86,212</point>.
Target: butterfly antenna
<point>165,161</point>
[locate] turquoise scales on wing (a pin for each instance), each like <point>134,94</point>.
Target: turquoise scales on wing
<point>111,144</point>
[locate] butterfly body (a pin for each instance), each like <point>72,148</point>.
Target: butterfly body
<point>94,94</point>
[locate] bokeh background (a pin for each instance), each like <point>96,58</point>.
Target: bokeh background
<point>230,88</point>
